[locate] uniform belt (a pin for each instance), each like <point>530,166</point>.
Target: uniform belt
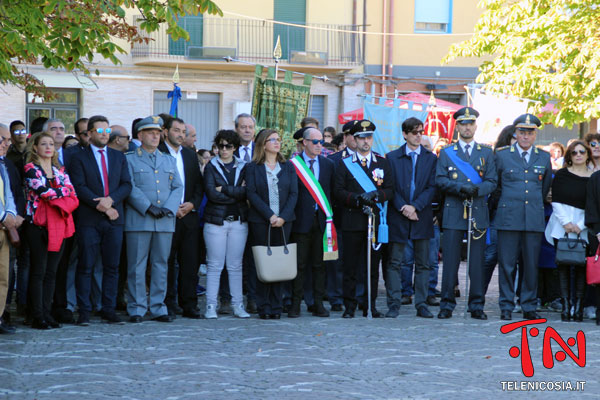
<point>231,218</point>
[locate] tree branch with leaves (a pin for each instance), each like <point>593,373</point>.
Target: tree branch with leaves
<point>543,50</point>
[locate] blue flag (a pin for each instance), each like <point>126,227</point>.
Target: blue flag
<point>175,96</point>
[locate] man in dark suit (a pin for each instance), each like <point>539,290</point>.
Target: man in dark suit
<point>102,182</point>
<point>465,172</point>
<point>182,284</point>
<point>355,200</point>
<point>525,176</point>
<point>410,216</point>
<point>311,220</point>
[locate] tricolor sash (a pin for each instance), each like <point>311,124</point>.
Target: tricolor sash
<point>367,185</point>
<point>463,166</point>
<point>330,245</point>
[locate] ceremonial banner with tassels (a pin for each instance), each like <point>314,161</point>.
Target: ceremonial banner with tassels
<point>280,105</point>
<point>330,246</point>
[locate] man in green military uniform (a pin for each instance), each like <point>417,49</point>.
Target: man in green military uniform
<point>525,176</point>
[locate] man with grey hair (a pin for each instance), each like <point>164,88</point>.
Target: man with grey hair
<point>8,221</point>
<point>56,128</point>
<point>244,126</point>
<point>118,139</point>
<point>190,137</point>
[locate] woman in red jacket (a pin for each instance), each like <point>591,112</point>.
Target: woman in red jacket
<point>50,201</point>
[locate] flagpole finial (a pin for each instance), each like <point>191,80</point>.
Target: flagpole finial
<point>277,49</point>
<point>432,101</point>
<point>176,74</point>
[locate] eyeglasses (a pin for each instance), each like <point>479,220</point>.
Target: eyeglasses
<point>594,144</point>
<point>102,130</point>
<point>274,140</point>
<point>419,132</point>
<point>574,152</point>
<point>20,132</point>
<point>223,146</point>
<point>316,141</point>
<point>123,137</point>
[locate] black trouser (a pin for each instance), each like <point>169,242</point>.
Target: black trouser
<point>42,273</point>
<point>60,292</point>
<point>310,255</point>
<point>182,285</point>
<point>269,295</point>
<point>355,265</point>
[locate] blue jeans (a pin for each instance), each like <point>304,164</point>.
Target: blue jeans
<point>406,273</point>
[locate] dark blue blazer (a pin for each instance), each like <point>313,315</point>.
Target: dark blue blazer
<point>305,206</point>
<point>257,190</point>
<point>16,186</point>
<point>401,228</point>
<point>86,178</point>
<point>68,154</point>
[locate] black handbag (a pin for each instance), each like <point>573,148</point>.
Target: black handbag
<point>571,251</point>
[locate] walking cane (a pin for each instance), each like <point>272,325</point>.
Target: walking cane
<point>469,204</point>
<point>370,240</point>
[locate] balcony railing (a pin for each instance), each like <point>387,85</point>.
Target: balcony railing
<point>213,38</point>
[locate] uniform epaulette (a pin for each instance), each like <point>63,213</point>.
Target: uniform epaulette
<point>502,148</point>
<point>448,145</point>
<point>378,155</point>
<point>347,155</point>
<point>489,146</point>
<point>129,152</point>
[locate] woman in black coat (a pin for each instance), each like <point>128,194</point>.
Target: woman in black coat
<point>225,228</point>
<point>272,189</point>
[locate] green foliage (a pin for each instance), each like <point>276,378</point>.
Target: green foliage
<point>69,33</point>
<point>543,50</point>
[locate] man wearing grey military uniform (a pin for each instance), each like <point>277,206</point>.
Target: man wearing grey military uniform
<point>465,172</point>
<point>525,176</point>
<point>150,221</point>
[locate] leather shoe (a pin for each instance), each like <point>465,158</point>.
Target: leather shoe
<point>424,312</point>
<point>531,315</point>
<point>294,310</point>
<point>36,324</point>
<point>52,323</point>
<point>432,301</point>
<point>191,313</point>
<point>83,320</point>
<point>406,300</point>
<point>337,307</point>
<point>163,318</point>
<point>478,314</point>
<point>393,312</point>
<point>506,315</point>
<point>348,314</point>
<point>263,316</point>
<point>135,319</point>
<point>274,316</point>
<point>374,313</point>
<point>7,329</point>
<point>251,307</point>
<point>112,318</point>
<point>320,311</point>
<point>64,315</point>
<point>444,314</point>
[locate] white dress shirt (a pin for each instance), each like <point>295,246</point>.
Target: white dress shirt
<point>176,153</point>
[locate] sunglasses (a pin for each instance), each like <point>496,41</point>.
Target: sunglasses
<point>102,130</point>
<point>594,144</point>
<point>274,140</point>
<point>420,132</point>
<point>223,146</point>
<point>574,152</point>
<point>316,141</point>
<point>20,132</point>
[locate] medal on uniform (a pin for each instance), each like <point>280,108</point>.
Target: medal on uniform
<point>454,175</point>
<point>378,176</point>
<point>540,177</point>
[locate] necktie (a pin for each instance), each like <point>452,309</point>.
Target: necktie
<point>413,156</point>
<point>363,162</point>
<point>312,163</point>
<point>467,153</point>
<point>524,158</point>
<point>153,159</point>
<point>104,172</point>
<point>246,155</point>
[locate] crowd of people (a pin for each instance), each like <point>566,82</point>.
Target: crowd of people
<point>98,223</point>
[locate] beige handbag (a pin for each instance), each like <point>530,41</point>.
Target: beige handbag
<point>275,263</point>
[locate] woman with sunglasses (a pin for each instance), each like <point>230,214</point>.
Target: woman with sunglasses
<point>51,199</point>
<point>272,187</point>
<point>569,190</point>
<point>593,140</point>
<point>225,228</point>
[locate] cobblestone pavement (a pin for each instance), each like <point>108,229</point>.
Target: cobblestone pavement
<point>305,358</point>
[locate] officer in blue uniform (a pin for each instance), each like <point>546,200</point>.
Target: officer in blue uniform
<point>525,176</point>
<point>465,172</point>
<point>150,221</point>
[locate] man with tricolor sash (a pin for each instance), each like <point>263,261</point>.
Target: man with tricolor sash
<point>363,185</point>
<point>313,231</point>
<point>465,174</point>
